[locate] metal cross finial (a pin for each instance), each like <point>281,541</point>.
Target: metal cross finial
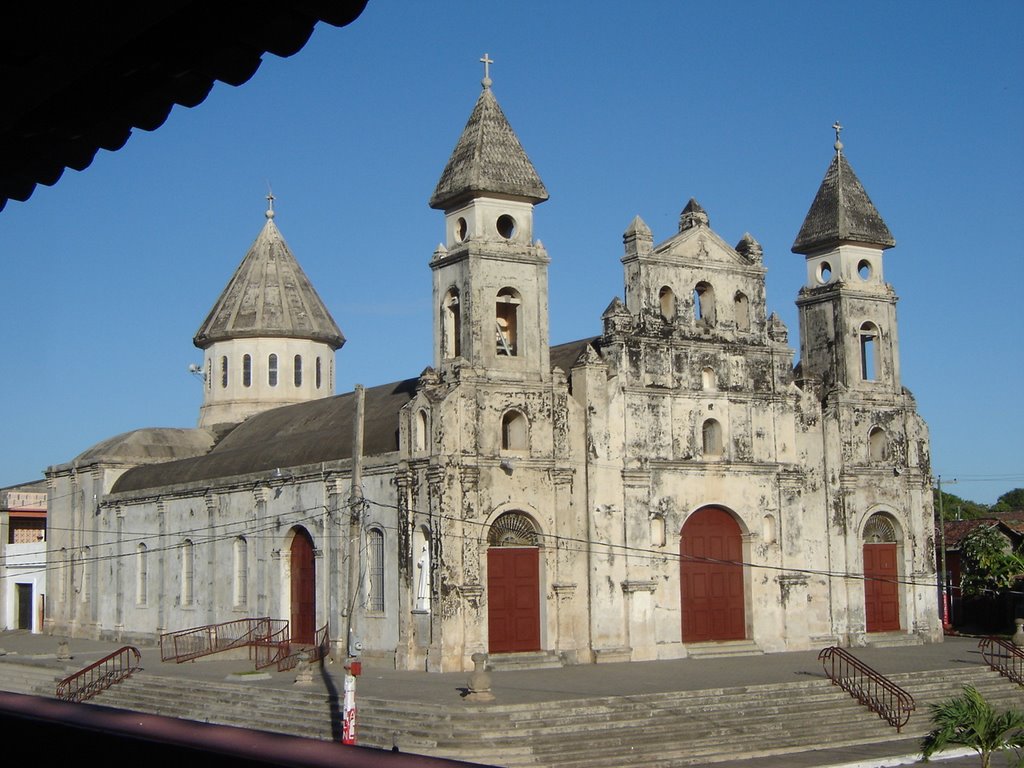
<point>487,61</point>
<point>838,129</point>
<point>270,202</point>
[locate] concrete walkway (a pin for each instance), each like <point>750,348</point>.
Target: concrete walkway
<point>566,684</point>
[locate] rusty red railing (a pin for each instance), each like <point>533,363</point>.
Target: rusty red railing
<point>872,689</point>
<point>291,653</point>
<point>188,644</point>
<point>1004,657</point>
<point>271,648</point>
<point>100,675</point>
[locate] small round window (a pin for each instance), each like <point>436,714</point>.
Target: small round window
<point>506,226</point>
<point>461,230</point>
<point>864,269</point>
<point>824,272</point>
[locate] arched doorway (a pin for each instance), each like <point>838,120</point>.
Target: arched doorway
<point>513,585</point>
<point>881,576</point>
<point>303,587</point>
<point>712,596</point>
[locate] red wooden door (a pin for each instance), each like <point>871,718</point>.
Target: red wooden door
<point>711,578</point>
<point>881,588</point>
<point>303,623</point>
<point>513,599</point>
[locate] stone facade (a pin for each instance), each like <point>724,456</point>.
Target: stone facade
<point>672,482</point>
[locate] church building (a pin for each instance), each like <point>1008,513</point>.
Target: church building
<point>671,486</point>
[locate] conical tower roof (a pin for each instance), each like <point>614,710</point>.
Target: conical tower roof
<point>269,296</point>
<point>488,159</point>
<point>841,212</point>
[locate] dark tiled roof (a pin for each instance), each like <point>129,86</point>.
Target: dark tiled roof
<point>269,296</point>
<point>81,79</point>
<point>488,158</point>
<point>152,444</point>
<point>564,356</point>
<point>290,436</point>
<point>841,212</point>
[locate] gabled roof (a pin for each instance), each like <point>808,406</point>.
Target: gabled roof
<point>488,158</point>
<point>269,296</point>
<point>290,436</point>
<point>841,212</point>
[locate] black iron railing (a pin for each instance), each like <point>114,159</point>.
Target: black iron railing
<point>1004,657</point>
<point>99,676</point>
<point>870,688</point>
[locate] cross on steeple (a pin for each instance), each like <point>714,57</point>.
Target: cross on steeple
<point>486,61</point>
<point>838,129</point>
<point>270,203</point>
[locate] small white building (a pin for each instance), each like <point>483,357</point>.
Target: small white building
<point>23,556</point>
<point>672,482</point>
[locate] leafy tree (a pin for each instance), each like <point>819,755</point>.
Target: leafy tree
<point>968,720</point>
<point>1011,501</point>
<point>955,508</point>
<point>988,562</point>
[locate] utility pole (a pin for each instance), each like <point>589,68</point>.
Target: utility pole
<point>355,534</point>
<point>942,554</point>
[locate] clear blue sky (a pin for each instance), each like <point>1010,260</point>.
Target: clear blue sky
<point>624,110</point>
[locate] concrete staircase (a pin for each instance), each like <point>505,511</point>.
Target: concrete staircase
<point>665,729</point>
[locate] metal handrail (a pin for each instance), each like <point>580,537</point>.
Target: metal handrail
<point>271,648</point>
<point>872,689</point>
<point>187,644</point>
<point>1004,657</point>
<point>100,675</point>
<point>289,659</point>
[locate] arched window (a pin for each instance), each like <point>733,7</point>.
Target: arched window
<point>667,300</point>
<point>420,428</point>
<point>657,530</point>
<point>241,582</point>
<point>451,325</point>
<point>711,437</point>
<point>741,308</point>
<point>272,370</point>
<point>515,432</point>
<point>768,533</point>
<point>319,373</point>
<point>86,560</point>
<point>869,352</point>
<point>246,371</point>
<point>297,370</point>
<point>879,530</point>
<point>187,572</point>
<point>141,575</point>
<point>507,321</point>
<point>513,529</point>
<point>375,570</point>
<point>704,303</point>
<point>708,380</point>
<point>224,372</point>
<point>878,448</point>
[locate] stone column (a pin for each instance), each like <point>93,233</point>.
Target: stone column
<point>262,554</point>
<point>640,636</point>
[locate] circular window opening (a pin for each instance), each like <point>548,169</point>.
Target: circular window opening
<point>506,226</point>
<point>461,230</point>
<point>824,272</point>
<point>864,269</point>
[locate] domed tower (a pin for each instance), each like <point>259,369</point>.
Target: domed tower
<point>269,340</point>
<point>490,277</point>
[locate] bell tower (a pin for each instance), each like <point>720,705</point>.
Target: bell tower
<point>490,276</point>
<point>847,310</point>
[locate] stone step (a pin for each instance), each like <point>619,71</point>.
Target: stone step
<point>504,662</point>
<point>726,649</point>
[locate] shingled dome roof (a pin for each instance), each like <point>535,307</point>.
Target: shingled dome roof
<point>269,296</point>
<point>488,158</point>
<point>841,212</point>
